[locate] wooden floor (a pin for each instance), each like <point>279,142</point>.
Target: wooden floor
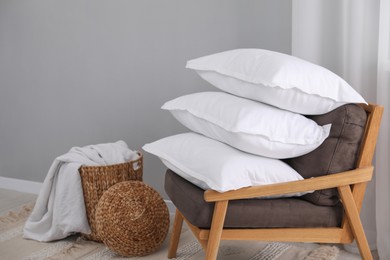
<point>11,200</point>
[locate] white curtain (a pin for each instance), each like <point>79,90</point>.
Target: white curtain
<point>352,38</point>
<point>383,149</point>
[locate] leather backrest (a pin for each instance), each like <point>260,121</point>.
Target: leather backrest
<point>339,152</point>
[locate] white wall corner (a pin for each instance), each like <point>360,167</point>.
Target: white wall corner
<point>20,185</point>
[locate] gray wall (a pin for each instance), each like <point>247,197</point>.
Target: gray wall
<point>74,73</point>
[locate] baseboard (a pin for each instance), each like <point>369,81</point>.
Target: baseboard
<point>171,207</point>
<point>34,188</point>
<point>20,185</point>
<point>370,235</point>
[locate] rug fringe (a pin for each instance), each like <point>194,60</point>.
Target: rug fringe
<point>16,216</point>
<point>323,253</point>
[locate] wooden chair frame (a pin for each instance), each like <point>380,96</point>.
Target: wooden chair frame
<point>351,186</point>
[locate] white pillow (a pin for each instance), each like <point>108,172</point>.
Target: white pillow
<point>248,125</point>
<point>210,164</point>
<point>277,79</point>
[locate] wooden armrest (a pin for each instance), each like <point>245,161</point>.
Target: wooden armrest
<point>317,183</point>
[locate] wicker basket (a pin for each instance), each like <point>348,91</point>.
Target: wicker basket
<point>97,179</point>
<point>132,219</point>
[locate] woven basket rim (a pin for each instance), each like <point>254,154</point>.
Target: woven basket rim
<point>115,164</point>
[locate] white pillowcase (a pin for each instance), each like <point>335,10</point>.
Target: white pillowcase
<point>210,164</point>
<point>248,125</point>
<point>277,79</point>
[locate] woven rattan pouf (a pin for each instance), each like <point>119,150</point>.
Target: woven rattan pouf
<point>132,219</point>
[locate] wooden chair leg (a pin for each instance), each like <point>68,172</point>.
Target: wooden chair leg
<point>216,229</point>
<point>176,230</point>
<point>195,232</point>
<point>354,220</point>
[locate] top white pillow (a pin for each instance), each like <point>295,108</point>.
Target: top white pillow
<point>277,79</point>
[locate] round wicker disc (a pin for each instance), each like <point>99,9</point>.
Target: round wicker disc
<point>132,219</point>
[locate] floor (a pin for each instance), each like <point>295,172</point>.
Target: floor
<point>12,200</point>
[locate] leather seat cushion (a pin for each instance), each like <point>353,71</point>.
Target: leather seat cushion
<point>249,213</point>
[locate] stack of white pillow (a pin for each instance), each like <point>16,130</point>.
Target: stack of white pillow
<point>239,135</point>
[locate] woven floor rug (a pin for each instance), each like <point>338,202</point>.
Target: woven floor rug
<point>13,246</point>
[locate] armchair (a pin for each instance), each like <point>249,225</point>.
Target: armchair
<point>227,216</point>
